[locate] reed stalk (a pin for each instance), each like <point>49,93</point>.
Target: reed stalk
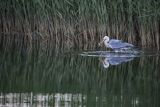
<point>80,24</point>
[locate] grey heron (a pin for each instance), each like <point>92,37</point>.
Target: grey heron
<point>115,44</point>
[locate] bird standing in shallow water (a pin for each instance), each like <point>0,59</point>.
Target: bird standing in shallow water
<point>115,44</point>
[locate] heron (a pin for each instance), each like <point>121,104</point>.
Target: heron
<point>115,44</point>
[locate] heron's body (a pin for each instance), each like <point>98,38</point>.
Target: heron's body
<point>118,44</point>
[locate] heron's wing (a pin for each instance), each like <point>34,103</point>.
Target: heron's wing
<point>129,45</point>
<point>114,43</point>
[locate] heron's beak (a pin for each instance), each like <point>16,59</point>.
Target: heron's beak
<point>100,44</point>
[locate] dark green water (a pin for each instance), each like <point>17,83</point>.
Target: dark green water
<point>70,80</point>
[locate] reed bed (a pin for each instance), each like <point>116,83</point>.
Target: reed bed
<point>70,24</point>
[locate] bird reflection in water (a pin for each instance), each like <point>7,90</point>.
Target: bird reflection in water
<point>108,58</point>
<point>107,61</point>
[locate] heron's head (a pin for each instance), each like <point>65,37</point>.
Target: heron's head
<point>105,39</point>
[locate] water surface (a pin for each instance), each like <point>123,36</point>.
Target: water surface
<point>46,79</point>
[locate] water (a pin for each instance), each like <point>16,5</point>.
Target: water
<point>79,79</point>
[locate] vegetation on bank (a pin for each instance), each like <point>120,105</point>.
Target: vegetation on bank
<point>79,23</point>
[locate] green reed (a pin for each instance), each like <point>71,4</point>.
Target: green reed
<point>71,23</point>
